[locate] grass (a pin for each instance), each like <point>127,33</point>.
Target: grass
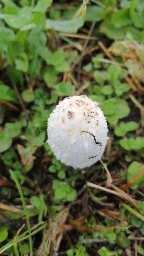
<point>26,215</point>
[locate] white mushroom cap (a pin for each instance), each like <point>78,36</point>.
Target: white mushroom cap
<point>77,132</point>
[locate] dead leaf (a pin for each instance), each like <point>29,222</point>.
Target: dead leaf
<point>132,55</point>
<point>26,155</point>
<point>53,235</point>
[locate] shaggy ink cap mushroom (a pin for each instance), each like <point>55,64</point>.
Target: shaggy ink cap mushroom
<point>77,132</point>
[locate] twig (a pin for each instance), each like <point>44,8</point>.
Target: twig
<point>99,200</point>
<point>89,184</point>
<point>84,48</point>
<point>131,84</point>
<point>137,83</point>
<point>80,36</point>
<point>118,192</point>
<point>95,240</point>
<point>121,193</point>
<point>136,248</point>
<point>10,105</point>
<point>19,98</point>
<point>108,54</point>
<point>125,196</point>
<point>136,238</point>
<point>137,104</point>
<point>91,49</point>
<point>128,252</point>
<point>82,88</point>
<point>109,178</point>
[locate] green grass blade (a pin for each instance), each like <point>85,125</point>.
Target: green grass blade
<point>25,210</point>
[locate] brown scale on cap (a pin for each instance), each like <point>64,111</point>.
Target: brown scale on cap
<point>70,114</point>
<point>63,119</point>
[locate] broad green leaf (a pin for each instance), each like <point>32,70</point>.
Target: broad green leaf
<point>38,140</point>
<point>63,191</point>
<point>23,18</point>
<point>123,241</point>
<point>24,249</point>
<point>37,38</point>
<point>28,27</point>
<point>125,3</point>
<point>107,90</point>
<point>6,93</point>
<point>67,26</point>
<point>28,95</point>
<point>121,18</point>
<point>50,77</point>
<point>114,72</point>
<point>123,128</point>
<point>3,233</point>
<point>21,38</point>
<point>140,249</point>
<point>39,20</point>
<point>135,221</point>
<point>108,3</point>
<point>65,89</point>
<point>112,32</point>
<point>14,129</point>
<point>40,119</point>
<point>61,174</point>
<point>132,143</point>
<point>53,99</point>
<point>93,13</point>
<point>6,35</point>
<point>101,76</point>
<point>46,55</point>
<point>97,60</point>
<point>79,250</point>
<point>120,88</point>
<point>22,62</point>
<point>133,169</point>
<point>58,61</point>
<point>115,109</point>
<point>42,6</point>
<point>97,98</point>
<point>88,67</point>
<point>35,201</point>
<point>14,50</point>
<point>138,20</point>
<point>5,141</point>
<point>52,169</point>
<point>34,67</point>
<point>11,8</point>
<point>103,251</point>
<point>136,17</point>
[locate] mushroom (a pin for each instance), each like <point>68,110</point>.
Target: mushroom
<point>77,132</point>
